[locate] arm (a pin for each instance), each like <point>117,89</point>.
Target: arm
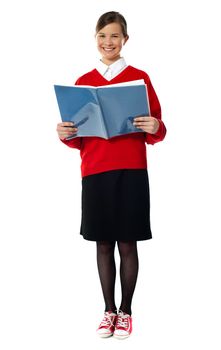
<point>73,143</point>
<point>152,125</point>
<point>67,129</point>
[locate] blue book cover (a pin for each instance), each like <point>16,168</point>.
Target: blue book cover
<point>106,111</point>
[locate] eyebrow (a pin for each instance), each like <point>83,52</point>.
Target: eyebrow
<point>111,33</point>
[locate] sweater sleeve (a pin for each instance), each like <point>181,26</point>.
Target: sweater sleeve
<point>75,142</point>
<point>155,110</point>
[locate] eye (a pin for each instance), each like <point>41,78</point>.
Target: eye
<point>101,35</point>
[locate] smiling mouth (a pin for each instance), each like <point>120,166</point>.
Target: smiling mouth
<point>108,49</point>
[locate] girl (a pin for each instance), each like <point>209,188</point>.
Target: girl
<point>115,188</point>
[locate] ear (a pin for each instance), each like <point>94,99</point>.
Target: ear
<point>125,39</point>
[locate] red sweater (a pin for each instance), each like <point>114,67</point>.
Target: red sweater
<point>120,152</point>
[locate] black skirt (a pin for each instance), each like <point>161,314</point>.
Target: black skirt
<point>116,206</point>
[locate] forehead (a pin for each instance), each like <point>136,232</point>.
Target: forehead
<point>111,28</point>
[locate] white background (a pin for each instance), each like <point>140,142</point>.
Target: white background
<point>50,291</point>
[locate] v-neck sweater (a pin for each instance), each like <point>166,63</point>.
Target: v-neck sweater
<point>120,152</point>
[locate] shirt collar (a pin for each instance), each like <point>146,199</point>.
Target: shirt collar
<point>115,67</point>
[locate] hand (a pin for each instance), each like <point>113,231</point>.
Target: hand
<point>147,124</point>
<point>66,129</point>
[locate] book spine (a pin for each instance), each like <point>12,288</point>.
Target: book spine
<point>106,135</point>
<point>148,102</point>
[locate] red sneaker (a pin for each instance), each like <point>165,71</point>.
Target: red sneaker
<point>106,328</point>
<point>123,326</point>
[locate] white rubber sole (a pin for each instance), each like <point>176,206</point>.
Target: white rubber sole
<point>121,336</point>
<point>105,335</point>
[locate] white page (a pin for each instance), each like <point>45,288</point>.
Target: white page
<point>127,83</point>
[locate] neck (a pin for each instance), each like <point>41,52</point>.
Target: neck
<point>109,62</point>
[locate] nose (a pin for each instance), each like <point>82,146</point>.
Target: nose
<point>108,41</point>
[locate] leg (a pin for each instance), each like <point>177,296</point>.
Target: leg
<point>107,272</point>
<point>128,273</point>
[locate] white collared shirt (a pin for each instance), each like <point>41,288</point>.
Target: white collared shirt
<point>111,71</point>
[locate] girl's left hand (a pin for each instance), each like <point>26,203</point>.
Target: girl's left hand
<point>147,124</point>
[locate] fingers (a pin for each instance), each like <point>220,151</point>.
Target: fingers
<point>66,129</point>
<point>147,124</point>
<point>141,121</point>
<point>140,124</point>
<point>66,124</point>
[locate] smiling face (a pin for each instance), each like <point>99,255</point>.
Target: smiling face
<point>110,41</point>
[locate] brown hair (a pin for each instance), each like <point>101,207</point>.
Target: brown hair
<point>112,17</point>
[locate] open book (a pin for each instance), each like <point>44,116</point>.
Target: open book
<point>104,111</point>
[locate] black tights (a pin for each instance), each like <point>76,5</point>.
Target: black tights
<point>128,272</point>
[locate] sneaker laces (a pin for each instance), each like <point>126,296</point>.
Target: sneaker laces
<point>122,319</point>
<point>107,321</point>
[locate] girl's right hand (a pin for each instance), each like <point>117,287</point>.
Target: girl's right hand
<point>66,129</point>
